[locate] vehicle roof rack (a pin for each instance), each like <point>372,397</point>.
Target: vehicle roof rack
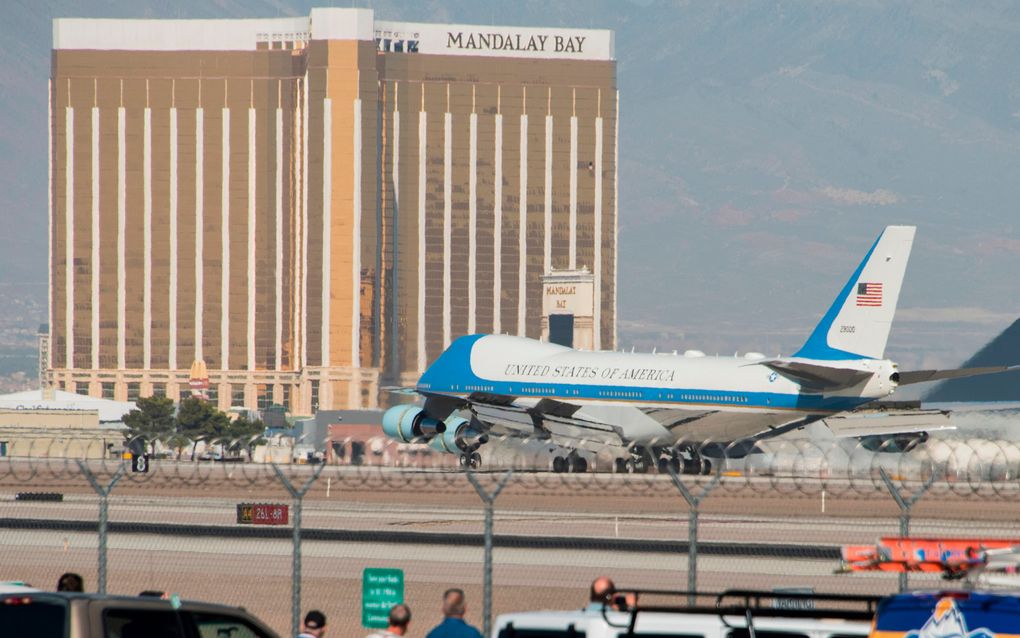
<point>745,603</point>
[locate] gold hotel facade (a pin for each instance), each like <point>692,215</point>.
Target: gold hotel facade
<point>315,207</point>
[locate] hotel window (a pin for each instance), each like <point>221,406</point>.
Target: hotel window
<point>265,396</point>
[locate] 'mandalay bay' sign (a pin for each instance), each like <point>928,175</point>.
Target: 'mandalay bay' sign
<point>455,39</point>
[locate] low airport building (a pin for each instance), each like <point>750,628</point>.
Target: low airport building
<point>56,424</point>
<point>313,208</point>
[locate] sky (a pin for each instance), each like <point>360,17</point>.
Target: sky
<point>763,147</point>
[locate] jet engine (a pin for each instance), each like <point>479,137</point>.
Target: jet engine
<point>408,423</point>
<point>893,443</point>
<point>459,437</point>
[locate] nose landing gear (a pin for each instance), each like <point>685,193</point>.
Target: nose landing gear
<point>471,460</point>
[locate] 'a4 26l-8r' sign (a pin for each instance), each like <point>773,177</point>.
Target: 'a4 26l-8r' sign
<point>262,514</point>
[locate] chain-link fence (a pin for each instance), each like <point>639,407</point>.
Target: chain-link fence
<point>512,537</point>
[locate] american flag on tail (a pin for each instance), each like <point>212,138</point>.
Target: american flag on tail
<point>869,294</point>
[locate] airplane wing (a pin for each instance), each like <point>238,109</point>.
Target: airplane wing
<point>700,425</point>
<point>920,376</point>
<point>520,417</point>
<point>591,427</point>
<point>574,426</point>
<point>885,423</point>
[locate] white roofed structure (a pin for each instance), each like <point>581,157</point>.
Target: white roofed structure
<point>110,412</point>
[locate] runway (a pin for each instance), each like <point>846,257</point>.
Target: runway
<point>553,535</point>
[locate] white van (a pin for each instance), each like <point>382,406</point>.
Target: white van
<point>15,587</point>
<point>846,617</point>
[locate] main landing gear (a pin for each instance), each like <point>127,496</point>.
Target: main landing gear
<point>682,459</point>
<point>572,462</point>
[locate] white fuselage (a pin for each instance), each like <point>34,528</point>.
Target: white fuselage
<point>521,367</point>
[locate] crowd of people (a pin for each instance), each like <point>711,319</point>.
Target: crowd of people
<point>452,626</point>
<point>602,594</point>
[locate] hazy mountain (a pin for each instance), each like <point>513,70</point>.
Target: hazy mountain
<point>763,147</point>
<point>1004,350</point>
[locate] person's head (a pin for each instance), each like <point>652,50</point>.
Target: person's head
<point>70,582</point>
<point>453,603</point>
<point>602,589</point>
<point>315,623</point>
<point>400,618</point>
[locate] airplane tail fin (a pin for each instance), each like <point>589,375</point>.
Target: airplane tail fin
<point>857,324</point>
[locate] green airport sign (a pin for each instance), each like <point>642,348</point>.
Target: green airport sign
<point>381,589</point>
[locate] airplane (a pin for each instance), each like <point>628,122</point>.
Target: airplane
<point>657,410</point>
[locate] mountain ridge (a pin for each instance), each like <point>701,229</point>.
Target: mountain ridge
<point>763,146</point>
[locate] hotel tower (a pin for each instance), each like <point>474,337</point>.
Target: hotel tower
<point>312,208</point>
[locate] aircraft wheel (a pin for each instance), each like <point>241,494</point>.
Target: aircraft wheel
<point>663,465</point>
<point>475,460</point>
<point>464,460</point>
<point>559,464</point>
<point>579,465</point>
<point>620,466</point>
<point>706,467</point>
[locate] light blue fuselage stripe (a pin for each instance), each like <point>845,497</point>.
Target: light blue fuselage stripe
<point>452,373</point>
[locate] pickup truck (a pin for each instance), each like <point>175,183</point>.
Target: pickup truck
<point>74,615</point>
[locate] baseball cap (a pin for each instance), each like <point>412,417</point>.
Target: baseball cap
<point>315,619</point>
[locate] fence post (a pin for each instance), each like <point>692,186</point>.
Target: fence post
<point>693,504</point>
<point>298,496</point>
<point>488,500</point>
<point>104,493</point>
<point>905,504</point>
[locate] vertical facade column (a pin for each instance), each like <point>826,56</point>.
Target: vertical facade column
<point>225,242</point>
<point>278,341</point>
<point>327,223</point>
<point>497,227</point>
<point>522,232</point>
<point>199,230</point>
<point>172,360</point>
<point>616,212</point>
<point>304,225</point>
<point>95,238</point>
<point>395,291</point>
<point>422,132</point>
<point>50,228</point>
<point>69,237</point>
<point>597,267</point>
<point>121,237</point>
<point>251,239</point>
<point>572,230</point>
<point>147,239</point>
<point>356,252</point>
<point>299,255</point>
<point>472,221</point>
<point>547,226</point>
<point>447,218</point>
